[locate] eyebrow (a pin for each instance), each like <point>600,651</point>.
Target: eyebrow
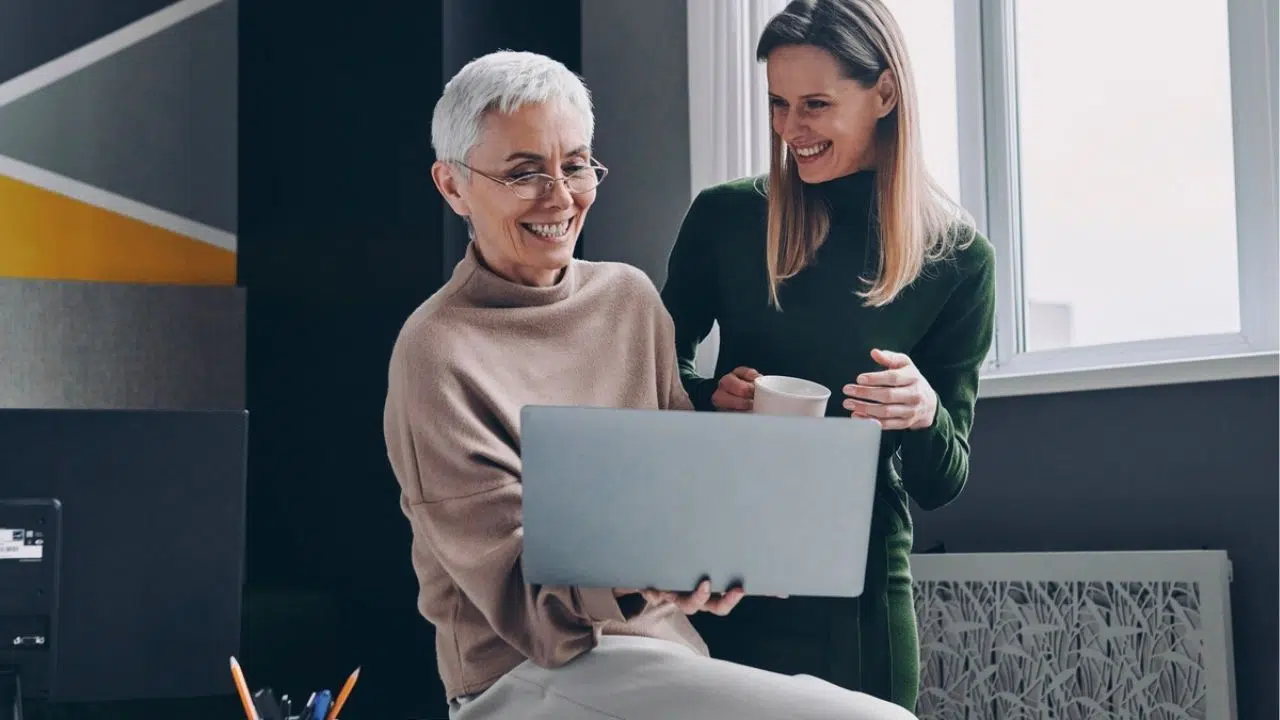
<point>526,155</point>
<point>810,96</point>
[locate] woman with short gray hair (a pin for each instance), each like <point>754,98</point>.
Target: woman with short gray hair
<point>523,322</point>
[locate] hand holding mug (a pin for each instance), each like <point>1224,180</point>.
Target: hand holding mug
<point>898,397</point>
<point>736,390</point>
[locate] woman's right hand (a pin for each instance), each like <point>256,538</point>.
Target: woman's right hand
<point>735,391</point>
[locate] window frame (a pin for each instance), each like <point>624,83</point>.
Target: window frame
<point>986,77</point>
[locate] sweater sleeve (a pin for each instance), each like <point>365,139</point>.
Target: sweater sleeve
<point>689,295</point>
<point>935,460</point>
<point>459,475</point>
<point>672,394</point>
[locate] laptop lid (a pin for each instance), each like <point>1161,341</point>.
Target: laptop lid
<point>661,499</point>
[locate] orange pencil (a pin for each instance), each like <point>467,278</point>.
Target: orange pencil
<point>243,689</point>
<point>342,696</point>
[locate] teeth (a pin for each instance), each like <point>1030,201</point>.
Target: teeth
<point>551,231</point>
<point>811,150</point>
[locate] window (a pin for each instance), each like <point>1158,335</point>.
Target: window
<point>1129,187</point>
<point>929,28</point>
<point>728,90</point>
<point>1121,155</point>
<point>1127,172</point>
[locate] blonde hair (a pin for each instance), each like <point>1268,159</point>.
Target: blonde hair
<point>916,221</point>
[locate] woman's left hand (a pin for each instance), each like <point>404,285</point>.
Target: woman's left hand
<point>898,397</point>
<point>700,600</point>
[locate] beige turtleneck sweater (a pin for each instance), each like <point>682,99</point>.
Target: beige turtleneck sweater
<point>462,367</point>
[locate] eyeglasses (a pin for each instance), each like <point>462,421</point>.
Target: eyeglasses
<point>535,186</point>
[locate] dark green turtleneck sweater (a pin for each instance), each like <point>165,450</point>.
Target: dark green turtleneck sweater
<point>824,333</point>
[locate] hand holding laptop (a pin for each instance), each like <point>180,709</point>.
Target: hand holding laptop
<point>700,600</point>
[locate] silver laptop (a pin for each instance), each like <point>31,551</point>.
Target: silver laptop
<point>663,499</point>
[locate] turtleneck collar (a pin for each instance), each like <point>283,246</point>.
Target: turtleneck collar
<point>485,288</point>
<point>849,196</point>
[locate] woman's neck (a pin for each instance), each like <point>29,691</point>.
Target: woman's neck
<point>520,274</point>
<point>854,188</point>
<point>486,287</point>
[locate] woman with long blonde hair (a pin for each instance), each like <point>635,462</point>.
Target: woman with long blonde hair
<point>847,266</point>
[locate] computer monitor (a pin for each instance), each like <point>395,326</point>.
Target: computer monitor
<point>29,570</point>
<point>122,542</point>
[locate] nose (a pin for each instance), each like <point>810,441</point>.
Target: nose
<point>787,124</point>
<point>792,125</point>
<point>559,196</point>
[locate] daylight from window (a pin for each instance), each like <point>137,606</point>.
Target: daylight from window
<point>1128,224</point>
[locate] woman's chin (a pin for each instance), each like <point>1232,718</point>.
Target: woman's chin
<point>551,253</point>
<point>813,177</point>
<point>816,172</point>
<point>542,243</point>
<point>816,177</point>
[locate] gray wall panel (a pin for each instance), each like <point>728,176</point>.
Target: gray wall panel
<point>154,122</point>
<point>635,61</point>
<point>111,346</point>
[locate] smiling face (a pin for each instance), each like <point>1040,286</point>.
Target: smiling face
<point>525,241</point>
<point>828,121</point>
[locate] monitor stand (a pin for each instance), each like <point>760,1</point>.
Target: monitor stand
<point>10,693</point>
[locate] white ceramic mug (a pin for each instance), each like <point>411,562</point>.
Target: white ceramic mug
<point>782,395</point>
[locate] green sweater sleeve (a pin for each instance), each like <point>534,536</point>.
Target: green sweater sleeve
<point>935,461</point>
<point>690,297</point>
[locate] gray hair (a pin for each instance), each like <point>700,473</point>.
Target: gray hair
<point>502,81</point>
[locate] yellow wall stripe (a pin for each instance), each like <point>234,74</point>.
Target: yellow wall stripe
<point>53,237</point>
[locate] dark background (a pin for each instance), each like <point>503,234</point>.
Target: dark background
<point>342,236</point>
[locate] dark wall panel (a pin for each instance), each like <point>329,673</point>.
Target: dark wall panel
<point>152,554</point>
<point>342,236</point>
<point>335,150</point>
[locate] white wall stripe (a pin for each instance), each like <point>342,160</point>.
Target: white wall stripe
<point>119,204</point>
<point>109,44</point>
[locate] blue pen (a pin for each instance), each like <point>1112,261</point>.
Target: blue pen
<point>323,698</point>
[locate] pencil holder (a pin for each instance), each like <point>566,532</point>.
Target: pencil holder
<point>263,704</point>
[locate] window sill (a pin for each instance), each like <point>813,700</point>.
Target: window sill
<point>996,384</point>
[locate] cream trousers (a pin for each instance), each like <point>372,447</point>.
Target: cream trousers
<point>631,678</point>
